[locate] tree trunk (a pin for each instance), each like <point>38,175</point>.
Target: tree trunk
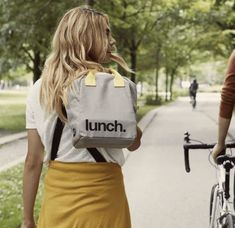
<point>172,76</point>
<point>36,66</point>
<point>218,2</point>
<point>166,84</point>
<point>141,88</point>
<point>157,72</point>
<point>133,55</point>
<point>133,65</point>
<point>156,83</point>
<point>90,2</point>
<point>121,70</point>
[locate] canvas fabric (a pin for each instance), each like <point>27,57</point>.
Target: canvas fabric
<point>84,195</point>
<point>101,110</point>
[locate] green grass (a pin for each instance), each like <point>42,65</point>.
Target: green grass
<point>12,111</point>
<point>11,206</point>
<point>141,111</point>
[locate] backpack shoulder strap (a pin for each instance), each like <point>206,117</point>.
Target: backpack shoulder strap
<point>57,137</point>
<point>96,155</point>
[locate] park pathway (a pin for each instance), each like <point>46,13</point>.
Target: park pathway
<point>160,193</point>
<point>12,153</point>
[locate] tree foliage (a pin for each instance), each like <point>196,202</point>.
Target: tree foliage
<point>26,30</point>
<point>151,34</point>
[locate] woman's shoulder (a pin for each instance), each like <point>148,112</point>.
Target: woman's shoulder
<point>38,83</point>
<point>36,86</point>
<point>34,90</point>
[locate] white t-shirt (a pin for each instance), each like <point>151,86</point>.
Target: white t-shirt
<point>37,118</point>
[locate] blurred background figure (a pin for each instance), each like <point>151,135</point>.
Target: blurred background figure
<point>193,92</point>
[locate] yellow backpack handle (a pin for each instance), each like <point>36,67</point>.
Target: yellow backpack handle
<point>90,79</point>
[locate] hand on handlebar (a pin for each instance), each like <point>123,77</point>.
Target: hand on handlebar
<point>218,150</point>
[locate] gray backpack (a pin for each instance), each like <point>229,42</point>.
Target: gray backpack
<point>101,110</point>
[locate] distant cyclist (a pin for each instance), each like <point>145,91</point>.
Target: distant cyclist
<point>193,92</point>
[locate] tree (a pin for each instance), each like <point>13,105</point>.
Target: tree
<point>90,2</point>
<point>132,21</point>
<point>26,32</point>
<point>171,42</point>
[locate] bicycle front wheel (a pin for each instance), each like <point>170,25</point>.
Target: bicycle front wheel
<point>194,103</point>
<point>213,199</point>
<point>216,205</point>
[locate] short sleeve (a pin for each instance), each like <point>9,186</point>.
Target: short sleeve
<point>30,117</point>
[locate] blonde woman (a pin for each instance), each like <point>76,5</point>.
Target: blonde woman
<point>79,192</point>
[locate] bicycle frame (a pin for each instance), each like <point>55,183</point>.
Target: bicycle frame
<point>193,101</point>
<point>221,215</point>
<point>220,200</point>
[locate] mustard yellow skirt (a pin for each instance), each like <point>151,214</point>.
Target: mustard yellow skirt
<point>84,195</point>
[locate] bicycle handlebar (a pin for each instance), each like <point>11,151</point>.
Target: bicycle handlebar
<point>189,146</point>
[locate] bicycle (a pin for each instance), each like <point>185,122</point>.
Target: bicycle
<point>193,100</point>
<point>220,213</point>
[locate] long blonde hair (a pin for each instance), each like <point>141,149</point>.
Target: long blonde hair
<point>79,44</point>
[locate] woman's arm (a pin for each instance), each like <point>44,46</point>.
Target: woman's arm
<point>32,172</point>
<point>136,144</point>
<point>226,106</point>
<point>223,127</point>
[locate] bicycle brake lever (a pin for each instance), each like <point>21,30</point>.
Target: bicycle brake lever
<point>186,137</point>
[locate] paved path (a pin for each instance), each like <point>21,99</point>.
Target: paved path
<point>12,153</point>
<point>160,193</point>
